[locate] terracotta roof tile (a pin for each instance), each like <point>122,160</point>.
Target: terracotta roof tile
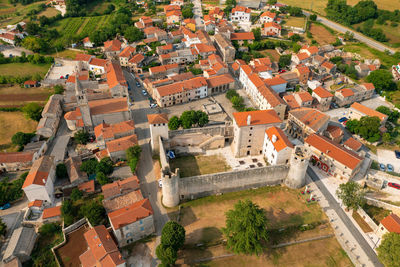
<point>115,76</point>
<point>322,92</point>
<point>220,80</point>
<point>258,117</point>
<point>268,14</point>
<point>353,144</point>
<point>127,52</point>
<point>87,187</point>
<point>291,101</point>
<point>310,117</point>
<point>111,130</point>
<point>136,59</point>
<point>334,151</point>
<point>13,157</point>
<point>163,68</point>
<point>328,65</point>
<point>334,131</point>
<point>282,141</point>
<point>368,111</point>
<point>275,81</point>
<point>113,45</point>
<point>346,92</point>
<point>51,212</point>
<point>241,9</point>
<point>121,144</point>
<point>368,86</point>
<point>131,214</point>
<point>98,62</point>
<point>271,96</point>
<point>35,203</point>
<point>157,118</point>
<point>121,201</point>
<point>39,172</point>
<point>392,223</point>
<point>107,106</point>
<point>242,36</point>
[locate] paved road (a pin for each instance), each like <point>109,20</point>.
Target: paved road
<point>198,14</point>
<point>352,229</point>
<point>147,177</point>
<point>362,38</point>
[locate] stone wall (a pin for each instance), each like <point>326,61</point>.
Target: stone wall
<point>381,204</point>
<point>223,129</point>
<point>211,184</point>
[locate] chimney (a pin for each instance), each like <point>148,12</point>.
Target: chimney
<point>44,181</point>
<point>108,236</point>
<point>274,138</point>
<point>248,119</point>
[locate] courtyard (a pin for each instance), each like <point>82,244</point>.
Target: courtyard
<point>199,165</point>
<point>285,210</point>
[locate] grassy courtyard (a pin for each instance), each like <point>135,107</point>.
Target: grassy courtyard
<point>285,208</point>
<point>199,165</point>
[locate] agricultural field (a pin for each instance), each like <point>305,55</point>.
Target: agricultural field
<point>203,219</point>
<point>49,12</point>
<point>10,123</point>
<point>319,5</point>
<point>16,96</point>
<point>322,35</point>
<point>298,22</point>
<point>271,53</point>
<point>82,26</point>
<point>392,33</point>
<point>10,14</point>
<point>14,69</point>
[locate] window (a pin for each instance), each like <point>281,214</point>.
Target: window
<point>250,134</point>
<point>128,235</point>
<point>141,222</point>
<point>142,228</point>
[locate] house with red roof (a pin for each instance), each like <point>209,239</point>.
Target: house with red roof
<point>112,48</point>
<point>125,55</point>
<point>277,147</point>
<point>132,222</point>
<point>116,149</point>
<point>249,128</point>
<point>102,250</point>
<point>87,43</point>
<point>116,81</point>
<point>271,29</point>
<point>97,65</point>
<point>267,16</point>
<point>135,63</point>
<point>300,58</point>
<point>324,98</point>
<point>305,121</point>
<point>158,128</point>
<point>240,14</point>
<point>105,132</point>
<point>357,111</point>
<point>39,184</point>
<point>277,84</point>
<point>333,158</point>
<point>16,161</point>
<point>344,97</point>
<point>389,224</point>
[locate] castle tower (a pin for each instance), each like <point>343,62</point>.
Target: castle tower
<point>299,159</point>
<point>158,128</point>
<point>170,188</point>
<point>83,105</point>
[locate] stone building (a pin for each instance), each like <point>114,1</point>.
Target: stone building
<point>106,132</point>
<point>389,224</point>
<point>158,127</point>
<point>277,148</point>
<point>305,121</point>
<point>249,131</point>
<point>225,48</point>
<point>357,111</point>
<point>51,114</point>
<point>20,244</point>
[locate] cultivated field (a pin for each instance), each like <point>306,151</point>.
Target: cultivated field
<point>322,35</point>
<point>204,218</point>
<point>10,14</point>
<point>319,5</point>
<point>16,96</point>
<point>49,12</point>
<point>199,165</point>
<point>271,53</point>
<point>298,22</point>
<point>22,69</point>
<point>10,123</point>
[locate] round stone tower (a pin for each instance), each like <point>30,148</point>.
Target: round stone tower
<point>296,177</point>
<point>170,189</point>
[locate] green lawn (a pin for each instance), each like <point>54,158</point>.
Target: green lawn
<point>199,165</point>
<point>16,69</point>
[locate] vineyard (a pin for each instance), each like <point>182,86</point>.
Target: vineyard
<point>81,26</point>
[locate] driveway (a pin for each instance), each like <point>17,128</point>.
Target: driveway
<point>388,157</point>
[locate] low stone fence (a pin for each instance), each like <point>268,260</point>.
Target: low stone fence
<point>368,219</point>
<point>381,204</point>
<point>222,129</point>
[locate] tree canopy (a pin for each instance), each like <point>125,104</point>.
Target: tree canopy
<point>351,194</point>
<point>61,171</point>
<point>102,179</point>
<point>81,137</point>
<point>32,111</point>
<point>76,194</point>
<point>172,239</point>
<point>284,61</point>
<point>388,250</point>
<point>246,228</point>
<point>174,123</point>
<point>105,166</point>
<point>89,166</point>
<point>21,139</point>
<point>3,228</point>
<point>382,80</point>
<point>367,127</point>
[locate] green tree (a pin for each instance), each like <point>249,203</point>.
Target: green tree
<point>48,229</point>
<point>351,194</point>
<point>76,194</point>
<point>21,139</point>
<point>133,34</point>
<point>3,228</point>
<point>105,166</point>
<point>246,228</point>
<point>295,38</point>
<point>59,89</point>
<point>382,80</point>
<point>174,123</point>
<point>313,17</point>
<point>202,119</point>
<point>167,255</point>
<point>94,211</point>
<point>187,12</point>
<point>133,152</point>
<point>173,235</point>
<point>188,118</point>
<point>386,138</point>
<point>257,34</point>
<point>32,111</point>
<point>61,171</point>
<point>102,179</point>
<point>284,61</point>
<point>367,127</point>
<point>237,102</point>
<point>231,93</point>
<point>82,137</point>
<point>89,166</point>
<point>388,250</point>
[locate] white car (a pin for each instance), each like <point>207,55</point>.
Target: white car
<point>153,105</point>
<point>160,183</point>
<point>144,92</point>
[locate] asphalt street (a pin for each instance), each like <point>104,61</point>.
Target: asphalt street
<point>145,172</point>
<point>352,229</point>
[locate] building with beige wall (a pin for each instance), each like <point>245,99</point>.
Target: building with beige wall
<point>249,131</point>
<point>305,121</point>
<point>357,111</point>
<point>158,127</point>
<point>277,148</point>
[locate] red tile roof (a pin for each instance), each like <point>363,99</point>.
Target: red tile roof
<point>113,45</point>
<point>39,172</point>
<point>333,150</point>
<point>368,111</point>
<point>310,117</point>
<point>322,92</point>
<point>346,92</point>
<point>115,76</point>
<point>87,187</point>
<point>14,157</point>
<point>392,223</point>
<point>107,106</point>
<point>268,14</point>
<point>35,203</point>
<point>275,81</point>
<point>272,24</point>
<point>302,56</point>
<point>127,52</point>
<point>241,9</point>
<point>121,144</point>
<point>282,141</point>
<point>353,144</point>
<point>334,131</point>
<point>257,117</point>
<point>238,36</point>
<point>131,214</point>
<point>51,212</point>
<point>220,80</point>
<point>120,187</point>
<point>98,62</point>
<point>110,130</point>
<point>157,118</point>
<point>328,65</point>
<point>305,96</point>
<point>368,86</point>
<point>163,68</point>
<point>291,101</point>
<point>83,57</point>
<point>136,59</point>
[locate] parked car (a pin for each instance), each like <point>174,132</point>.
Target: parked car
<point>144,92</point>
<point>138,84</point>
<point>153,105</point>
<point>394,185</point>
<point>382,167</point>
<point>343,119</point>
<point>390,167</point>
<point>5,206</point>
<point>282,71</point>
<point>160,183</point>
<point>397,153</point>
